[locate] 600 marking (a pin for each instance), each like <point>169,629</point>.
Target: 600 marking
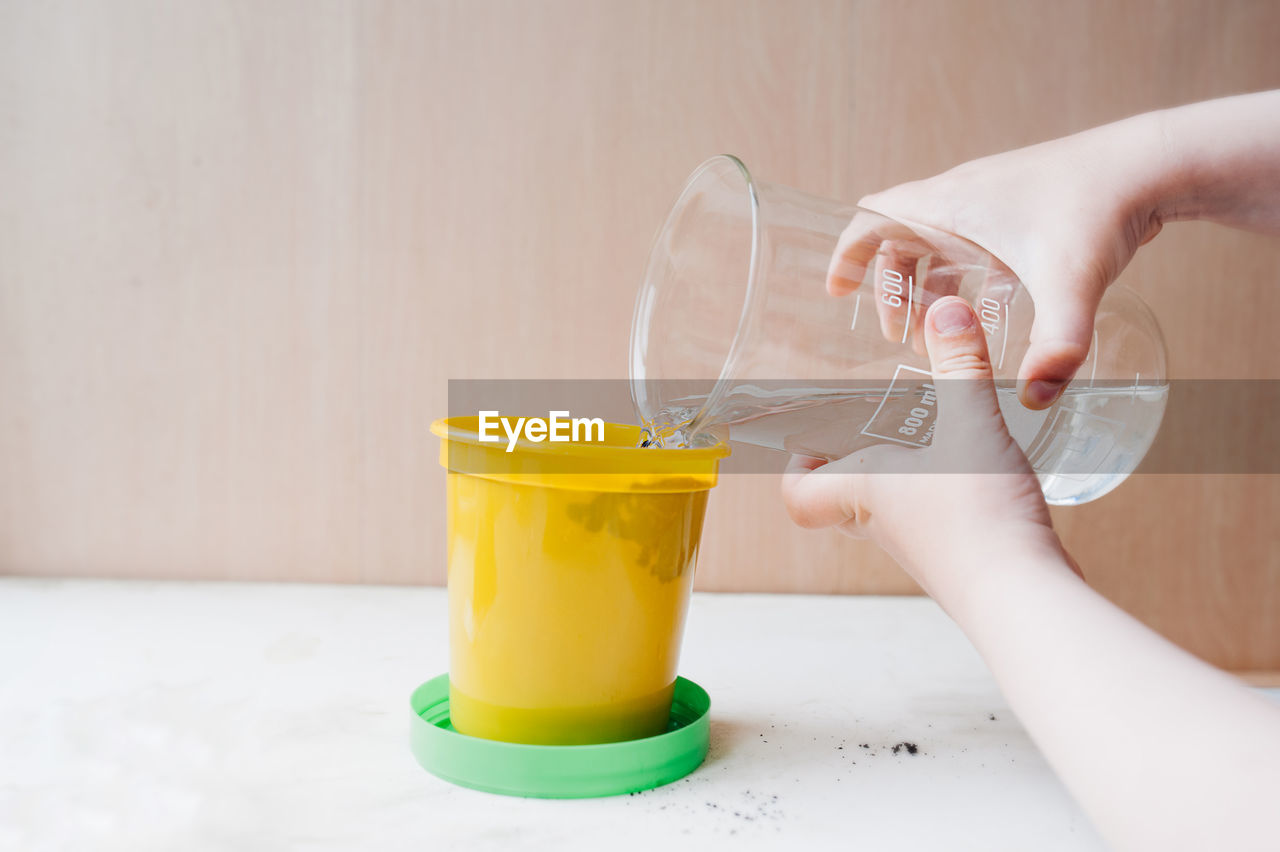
<point>891,288</point>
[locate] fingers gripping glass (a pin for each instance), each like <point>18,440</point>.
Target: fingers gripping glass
<point>781,319</point>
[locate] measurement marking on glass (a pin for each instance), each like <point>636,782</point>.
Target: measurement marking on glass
<point>857,305</point>
<point>1004,341</point>
<point>1093,375</point>
<point>890,293</point>
<point>988,311</point>
<point>1075,433</point>
<point>906,328</point>
<point>866,430</point>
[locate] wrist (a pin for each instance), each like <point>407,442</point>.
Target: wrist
<point>1141,169</point>
<point>980,575</point>
<point>1176,191</point>
<point>1217,160</point>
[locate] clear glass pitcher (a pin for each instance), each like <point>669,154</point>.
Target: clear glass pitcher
<point>737,335</point>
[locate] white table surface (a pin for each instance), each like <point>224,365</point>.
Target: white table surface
<point>192,716</point>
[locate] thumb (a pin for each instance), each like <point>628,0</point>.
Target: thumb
<point>815,496</point>
<point>961,371</point>
<point>1060,337</point>
<point>819,493</point>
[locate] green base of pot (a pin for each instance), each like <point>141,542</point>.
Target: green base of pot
<point>559,772</point>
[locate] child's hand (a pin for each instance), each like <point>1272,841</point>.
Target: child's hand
<point>1066,216</point>
<point>934,522</point>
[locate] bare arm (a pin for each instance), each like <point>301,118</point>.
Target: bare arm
<point>1068,215</point>
<point>1222,162</point>
<point>1163,751</point>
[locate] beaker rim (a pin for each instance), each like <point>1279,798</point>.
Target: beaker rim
<point>643,311</point>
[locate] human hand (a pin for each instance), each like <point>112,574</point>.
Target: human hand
<point>948,510</point>
<point>981,544</point>
<point>1065,216</point>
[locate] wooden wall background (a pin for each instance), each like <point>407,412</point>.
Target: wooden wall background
<point>243,245</point>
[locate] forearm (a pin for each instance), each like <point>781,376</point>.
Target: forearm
<point>1162,750</point>
<point>1217,160</point>
<point>1221,162</point>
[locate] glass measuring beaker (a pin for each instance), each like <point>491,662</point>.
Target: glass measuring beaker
<point>736,335</point>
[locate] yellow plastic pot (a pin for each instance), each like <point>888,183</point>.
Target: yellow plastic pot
<point>570,568</point>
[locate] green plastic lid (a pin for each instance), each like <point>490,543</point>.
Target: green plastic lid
<point>559,772</point>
